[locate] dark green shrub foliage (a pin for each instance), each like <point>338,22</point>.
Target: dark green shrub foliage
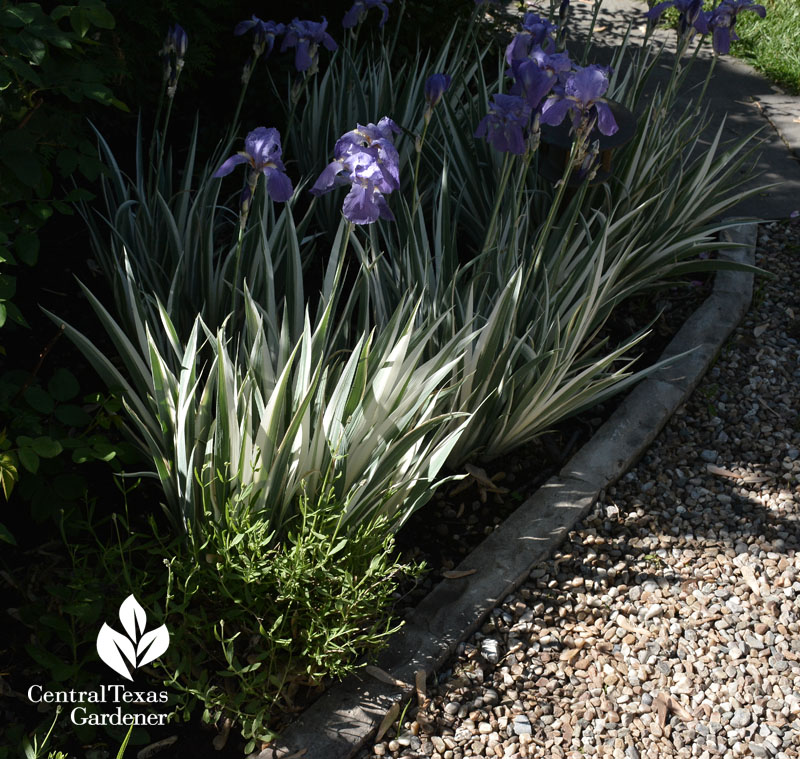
<point>51,68</point>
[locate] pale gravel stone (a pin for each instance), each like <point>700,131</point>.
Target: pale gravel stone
<point>522,725</point>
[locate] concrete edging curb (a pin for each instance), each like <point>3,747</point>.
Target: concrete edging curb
<point>343,719</point>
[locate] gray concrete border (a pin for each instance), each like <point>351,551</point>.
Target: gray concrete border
<point>343,719</point>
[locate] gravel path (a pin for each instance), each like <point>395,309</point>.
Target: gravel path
<point>668,624</point>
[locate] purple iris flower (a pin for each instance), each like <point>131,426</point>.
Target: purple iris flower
<point>723,19</point>
<point>691,14</point>
<point>177,41</point>
<point>538,33</point>
<point>557,64</point>
<point>519,48</point>
<point>369,161</point>
<point>306,37</point>
<point>536,75</point>
<point>360,7</point>
<point>435,87</point>
<point>374,140</point>
<point>532,82</point>
<point>175,44</point>
<point>523,45</point>
<point>582,92</point>
<point>539,28</point>
<point>264,32</point>
<point>262,152</point>
<point>505,124</point>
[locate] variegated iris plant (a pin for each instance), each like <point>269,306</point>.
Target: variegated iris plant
<point>473,311</point>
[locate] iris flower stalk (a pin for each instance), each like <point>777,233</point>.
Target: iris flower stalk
<point>555,206</point>
<point>305,37</point>
<point>507,128</point>
<point>265,34</point>
<point>175,44</point>
<point>720,22</point>
<point>435,87</point>
<point>262,154</point>
<point>533,147</point>
<point>505,175</point>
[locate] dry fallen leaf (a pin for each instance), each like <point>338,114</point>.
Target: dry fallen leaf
<point>456,574</point>
<point>750,579</point>
<point>419,682</point>
<point>221,739</point>
<point>712,469</point>
<point>384,676</point>
<point>388,721</point>
<point>660,708</point>
<point>623,622</point>
<point>485,483</point>
<point>677,708</point>
<point>704,620</point>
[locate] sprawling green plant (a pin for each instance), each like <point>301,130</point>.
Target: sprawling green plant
<point>278,619</point>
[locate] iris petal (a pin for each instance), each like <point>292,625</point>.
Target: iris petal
<point>279,186</point>
<point>302,56</point>
<point>655,12</point>
<point>327,178</point>
<point>588,84</point>
<point>359,205</point>
<point>229,165</point>
<point>383,207</point>
<point>352,16</point>
<point>722,40</point>
<point>554,110</point>
<point>606,122</point>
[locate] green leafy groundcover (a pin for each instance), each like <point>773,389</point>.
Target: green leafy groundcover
<point>302,369</point>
